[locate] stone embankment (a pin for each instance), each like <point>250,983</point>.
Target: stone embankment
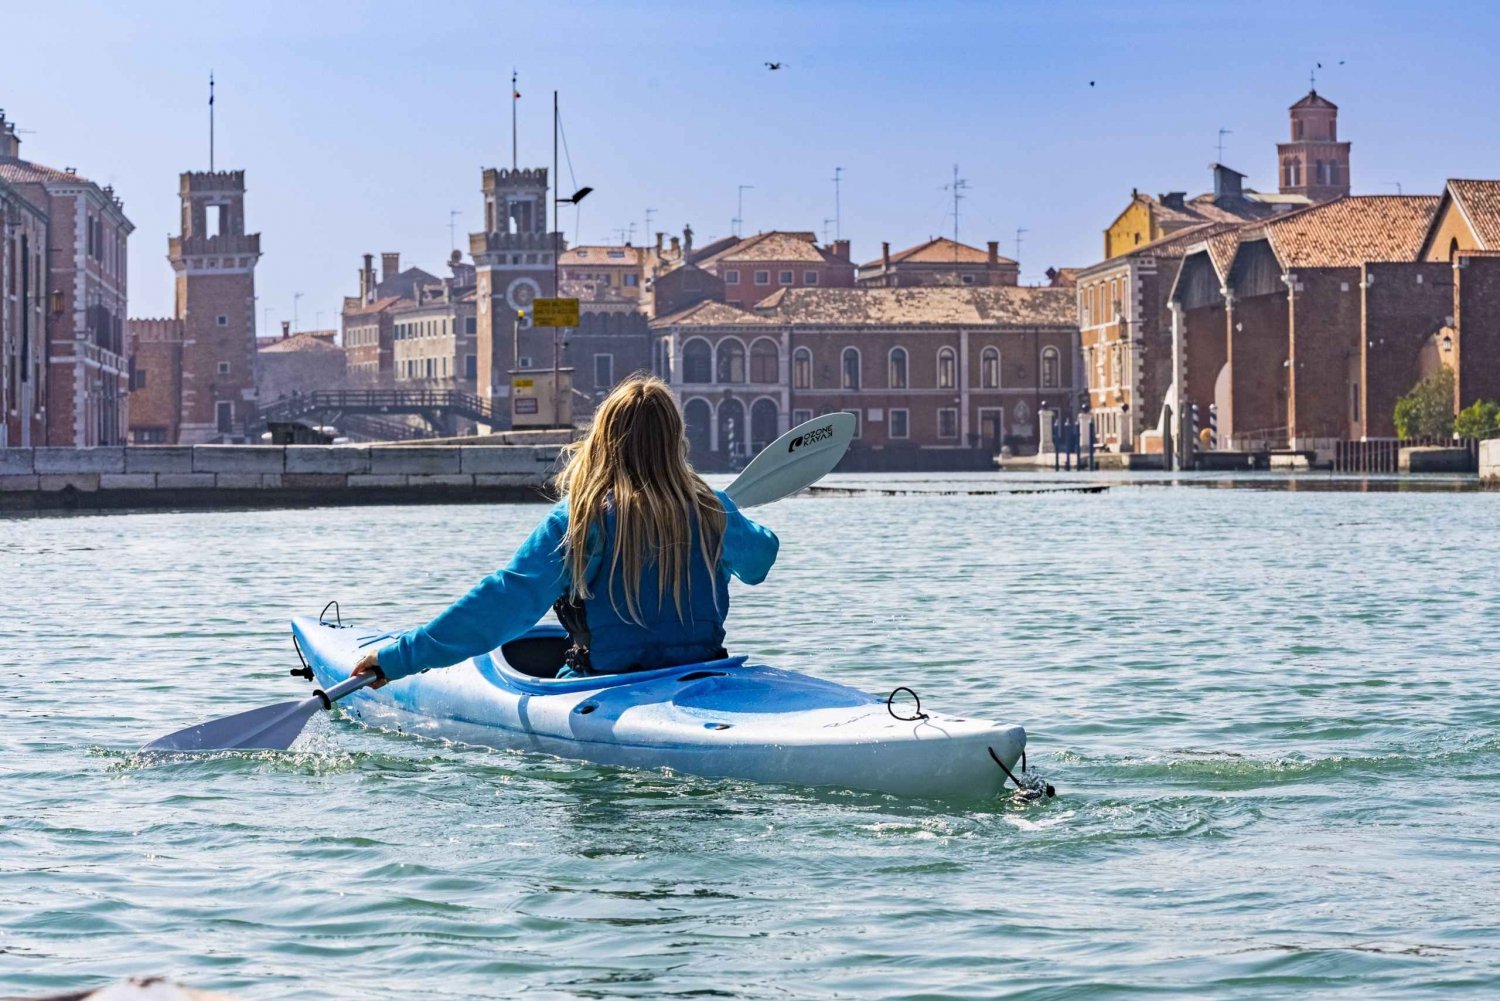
<point>1489,460</point>
<point>210,476</point>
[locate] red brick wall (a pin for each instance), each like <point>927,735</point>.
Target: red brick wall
<point>746,293</point>
<point>156,348</point>
<point>1204,353</point>
<point>1400,314</point>
<point>207,345</point>
<point>1323,337</point>
<point>1477,315</point>
<point>1259,375</point>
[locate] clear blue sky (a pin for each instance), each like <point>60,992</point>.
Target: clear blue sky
<point>362,124</point>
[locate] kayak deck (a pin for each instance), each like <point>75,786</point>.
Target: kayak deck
<point>723,717</point>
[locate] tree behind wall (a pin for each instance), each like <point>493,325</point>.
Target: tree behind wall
<point>1480,419</point>
<point>1427,411</point>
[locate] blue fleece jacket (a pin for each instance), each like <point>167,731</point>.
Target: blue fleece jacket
<point>511,600</point>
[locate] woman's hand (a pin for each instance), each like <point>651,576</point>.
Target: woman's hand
<point>370,664</point>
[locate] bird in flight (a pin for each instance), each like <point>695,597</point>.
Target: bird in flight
<point>774,66</point>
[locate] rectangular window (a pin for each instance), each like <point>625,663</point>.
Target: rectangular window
<point>899,424</point>
<point>470,327</point>
<point>223,368</point>
<point>785,278</point>
<point>968,279</point>
<point>801,417</point>
<point>224,412</point>
<point>762,277</point>
<point>947,423</point>
<point>150,436</point>
<point>731,277</point>
<point>222,321</point>
<point>138,379</point>
<point>809,278</point>
<point>632,281</point>
<point>471,366</point>
<point>604,371</point>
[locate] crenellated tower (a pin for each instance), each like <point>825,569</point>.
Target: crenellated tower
<point>214,260</point>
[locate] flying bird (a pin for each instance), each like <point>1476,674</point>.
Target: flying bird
<point>773,66</point>
<point>1091,83</point>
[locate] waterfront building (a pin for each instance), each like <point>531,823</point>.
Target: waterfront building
<point>434,338</point>
<point>23,317</point>
<point>939,261</point>
<point>306,362</point>
<point>84,395</point>
<point>369,338</point>
<point>1465,235</point>
<point>753,267</point>
<point>1273,321</point>
<point>937,375</point>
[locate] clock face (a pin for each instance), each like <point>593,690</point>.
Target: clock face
<point>521,292</point>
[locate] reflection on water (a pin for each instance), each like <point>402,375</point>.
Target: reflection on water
<point>1268,711</point>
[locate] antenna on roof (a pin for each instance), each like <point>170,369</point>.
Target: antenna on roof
<point>1222,134</point>
<point>210,121</point>
<point>739,215</point>
<point>1019,233</point>
<point>958,186</point>
<point>838,213</point>
<point>452,231</point>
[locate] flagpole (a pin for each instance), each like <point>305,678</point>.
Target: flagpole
<point>210,121</point>
<point>515,96</point>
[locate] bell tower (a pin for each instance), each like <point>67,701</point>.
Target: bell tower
<point>214,260</point>
<point>513,262</point>
<point>1314,163</point>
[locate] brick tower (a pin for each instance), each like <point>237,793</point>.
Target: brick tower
<point>214,260</point>
<point>1314,163</point>
<point>513,265</point>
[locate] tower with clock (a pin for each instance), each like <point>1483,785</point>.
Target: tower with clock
<point>513,263</point>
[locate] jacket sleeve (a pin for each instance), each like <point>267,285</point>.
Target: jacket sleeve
<point>497,609</point>
<point>749,548</point>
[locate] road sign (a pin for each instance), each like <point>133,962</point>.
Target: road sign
<point>554,312</point>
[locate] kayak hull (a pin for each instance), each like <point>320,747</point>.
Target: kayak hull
<point>723,718</point>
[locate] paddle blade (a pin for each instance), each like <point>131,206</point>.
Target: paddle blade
<point>795,461</point>
<point>271,728</point>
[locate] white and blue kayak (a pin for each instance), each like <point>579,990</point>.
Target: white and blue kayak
<point>727,718</point>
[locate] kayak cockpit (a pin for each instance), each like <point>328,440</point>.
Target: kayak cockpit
<point>530,663</point>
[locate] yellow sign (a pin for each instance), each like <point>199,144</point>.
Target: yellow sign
<point>554,312</point>
<point>522,383</point>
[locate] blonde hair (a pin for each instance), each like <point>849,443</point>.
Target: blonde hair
<point>634,461</point>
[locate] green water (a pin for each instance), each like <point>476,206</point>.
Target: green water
<point>1271,717</point>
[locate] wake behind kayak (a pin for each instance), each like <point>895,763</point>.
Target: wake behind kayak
<point>724,718</point>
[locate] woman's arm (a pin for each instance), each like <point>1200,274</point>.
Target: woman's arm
<point>498,608</point>
<point>749,549</point>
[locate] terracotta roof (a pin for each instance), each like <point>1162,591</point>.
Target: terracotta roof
<point>1350,231</point>
<point>302,342</point>
<point>378,306</point>
<point>1480,203</point>
<point>939,250</point>
<point>18,171</point>
<point>774,246</point>
<point>618,257</point>
<point>1315,100</point>
<point>713,314</point>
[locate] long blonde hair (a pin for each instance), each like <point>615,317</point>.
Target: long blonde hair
<point>634,461</point>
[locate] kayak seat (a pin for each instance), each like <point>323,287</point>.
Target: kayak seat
<point>537,655</point>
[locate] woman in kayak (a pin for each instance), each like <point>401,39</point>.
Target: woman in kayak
<point>635,558</point>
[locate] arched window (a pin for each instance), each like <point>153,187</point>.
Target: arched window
<point>802,369</point>
<point>763,422</point>
<point>697,361</point>
<point>1050,372</point>
<point>947,369</point>
<point>765,359</point>
<point>732,428</point>
<point>731,363</point>
<point>851,368</point>
<point>698,418</point>
<point>989,368</point>
<point>896,374</point>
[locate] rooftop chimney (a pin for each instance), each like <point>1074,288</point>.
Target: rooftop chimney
<point>1227,182</point>
<point>390,267</point>
<point>1174,199</point>
<point>367,279</point>
<point>885,254</point>
<point>10,143</point>
<point>841,249</point>
<point>994,258</point>
<point>676,246</point>
<point>659,237</point>
<point>286,329</point>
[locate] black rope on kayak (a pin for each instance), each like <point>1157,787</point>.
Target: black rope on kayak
<point>336,614</point>
<point>890,708</point>
<point>1026,791</point>
<point>304,671</point>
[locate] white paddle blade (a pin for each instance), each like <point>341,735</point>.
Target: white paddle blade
<point>795,461</point>
<point>271,728</point>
